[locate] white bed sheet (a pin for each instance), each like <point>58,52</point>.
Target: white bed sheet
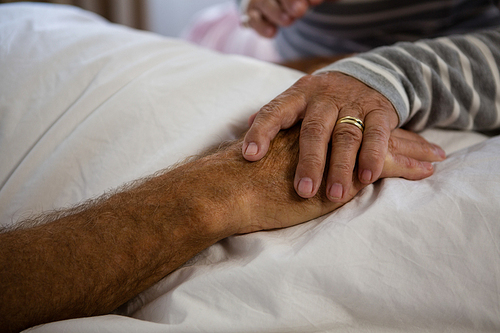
<point>86,105</point>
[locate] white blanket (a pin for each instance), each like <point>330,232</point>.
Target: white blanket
<point>86,106</point>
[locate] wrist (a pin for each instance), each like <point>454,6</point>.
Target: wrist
<point>204,195</point>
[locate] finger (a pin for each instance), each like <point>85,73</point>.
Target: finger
<point>282,112</point>
<point>251,119</point>
<point>374,147</point>
<point>397,165</point>
<point>435,154</point>
<point>259,24</point>
<point>295,8</point>
<point>274,13</point>
<point>346,140</point>
<point>409,159</point>
<point>315,134</point>
<point>420,150</point>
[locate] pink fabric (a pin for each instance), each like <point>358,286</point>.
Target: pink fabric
<point>219,28</point>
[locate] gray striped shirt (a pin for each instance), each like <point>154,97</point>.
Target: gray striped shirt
<point>353,26</point>
<point>451,81</point>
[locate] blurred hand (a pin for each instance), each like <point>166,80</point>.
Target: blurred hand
<point>319,100</point>
<point>265,16</point>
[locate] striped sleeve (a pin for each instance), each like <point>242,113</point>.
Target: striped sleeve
<point>450,82</point>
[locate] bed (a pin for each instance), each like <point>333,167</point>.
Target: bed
<point>86,105</point>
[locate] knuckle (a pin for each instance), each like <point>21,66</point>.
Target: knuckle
<point>312,162</point>
<point>377,134</point>
<point>342,169</point>
<point>348,136</point>
<point>314,130</point>
<point>263,125</point>
<point>393,145</point>
<point>408,162</point>
<point>373,156</point>
<point>273,111</point>
<point>376,142</point>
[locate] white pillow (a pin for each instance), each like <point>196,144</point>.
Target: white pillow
<point>87,105</point>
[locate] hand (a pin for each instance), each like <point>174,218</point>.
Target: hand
<point>319,100</point>
<point>272,202</point>
<point>265,16</point>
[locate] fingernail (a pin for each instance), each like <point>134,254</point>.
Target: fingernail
<point>440,151</point>
<point>305,186</point>
<point>336,191</point>
<point>366,176</point>
<point>428,165</point>
<point>252,149</point>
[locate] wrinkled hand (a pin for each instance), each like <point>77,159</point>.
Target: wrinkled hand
<point>265,16</point>
<point>319,100</point>
<point>273,203</point>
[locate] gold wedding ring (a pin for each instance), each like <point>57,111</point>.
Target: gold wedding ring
<point>353,121</point>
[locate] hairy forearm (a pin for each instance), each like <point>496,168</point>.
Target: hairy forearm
<point>91,259</point>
